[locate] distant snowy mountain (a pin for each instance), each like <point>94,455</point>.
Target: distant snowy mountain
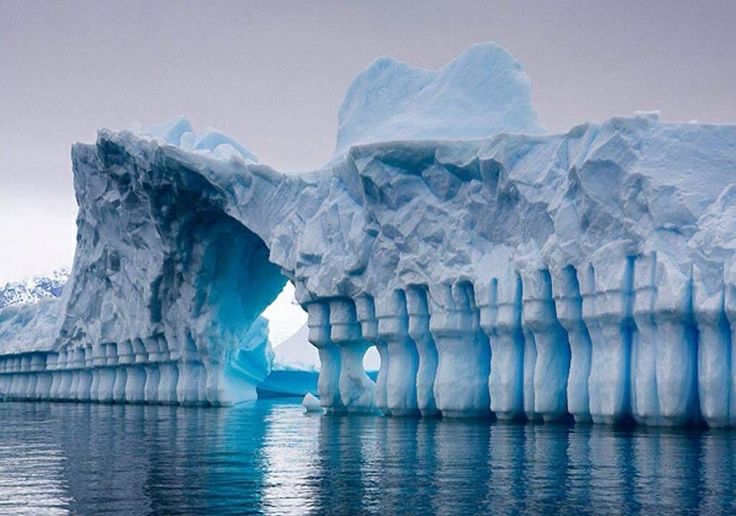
<point>34,289</point>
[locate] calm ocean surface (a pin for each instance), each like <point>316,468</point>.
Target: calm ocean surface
<point>268,457</point>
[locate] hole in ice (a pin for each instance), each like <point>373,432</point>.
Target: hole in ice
<point>372,361</point>
<point>287,331</point>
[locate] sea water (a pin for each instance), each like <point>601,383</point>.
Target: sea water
<point>269,457</point>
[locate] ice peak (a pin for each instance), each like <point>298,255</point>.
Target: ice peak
<point>482,92</point>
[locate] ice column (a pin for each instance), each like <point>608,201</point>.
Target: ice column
<point>123,355</point>
<point>644,399</point>
<point>664,351</point>
<point>318,321</point>
<point>168,372</point>
<point>500,317</point>
<point>730,309</point>
<point>366,313</point>
<point>31,378</point>
<point>418,312</point>
<point>461,384</point>
<point>15,379</point>
<point>191,386</point>
<point>153,377</point>
<point>715,386</point>
<point>98,362</point>
<point>56,375</point>
<point>107,372</point>
<point>607,312</point>
<point>75,360</point>
<point>403,361</point>
<point>356,389</point>
<point>135,375</point>
<point>569,305</point>
<point>41,363</point>
<point>552,349</point>
<point>65,382</point>
<point>4,377</point>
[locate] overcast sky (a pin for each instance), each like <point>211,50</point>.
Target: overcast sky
<point>272,74</point>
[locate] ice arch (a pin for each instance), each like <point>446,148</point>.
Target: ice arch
<point>166,282</point>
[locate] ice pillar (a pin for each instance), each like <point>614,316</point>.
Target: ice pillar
<point>418,312</point>
<point>356,389</point>
<point>318,321</point>
<point>168,372</point>
<point>41,363</point>
<point>461,384</point>
<point>552,362</point>
<point>607,312</point>
<point>366,313</point>
<point>664,347</point>
<point>500,317</point>
<point>191,386</point>
<point>569,305</point>
<point>644,399</point>
<point>403,361</point>
<point>107,372</point>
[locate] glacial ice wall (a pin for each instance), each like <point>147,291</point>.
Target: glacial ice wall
<point>585,275</point>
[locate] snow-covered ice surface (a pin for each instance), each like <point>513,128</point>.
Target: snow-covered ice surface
<point>495,269</point>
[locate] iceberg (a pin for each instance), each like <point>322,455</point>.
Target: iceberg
<point>497,272</point>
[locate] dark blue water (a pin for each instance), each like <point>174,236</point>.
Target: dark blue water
<point>268,457</point>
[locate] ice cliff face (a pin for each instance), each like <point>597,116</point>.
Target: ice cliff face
<point>529,276</point>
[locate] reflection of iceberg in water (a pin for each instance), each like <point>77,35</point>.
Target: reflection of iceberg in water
<point>267,457</point>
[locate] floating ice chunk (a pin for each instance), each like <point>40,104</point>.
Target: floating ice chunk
<point>311,403</point>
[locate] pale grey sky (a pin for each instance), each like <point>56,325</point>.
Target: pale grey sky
<point>272,74</point>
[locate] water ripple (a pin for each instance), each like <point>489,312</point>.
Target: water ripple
<point>269,458</point>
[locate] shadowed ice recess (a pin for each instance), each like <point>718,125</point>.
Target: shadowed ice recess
<point>496,269</point>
